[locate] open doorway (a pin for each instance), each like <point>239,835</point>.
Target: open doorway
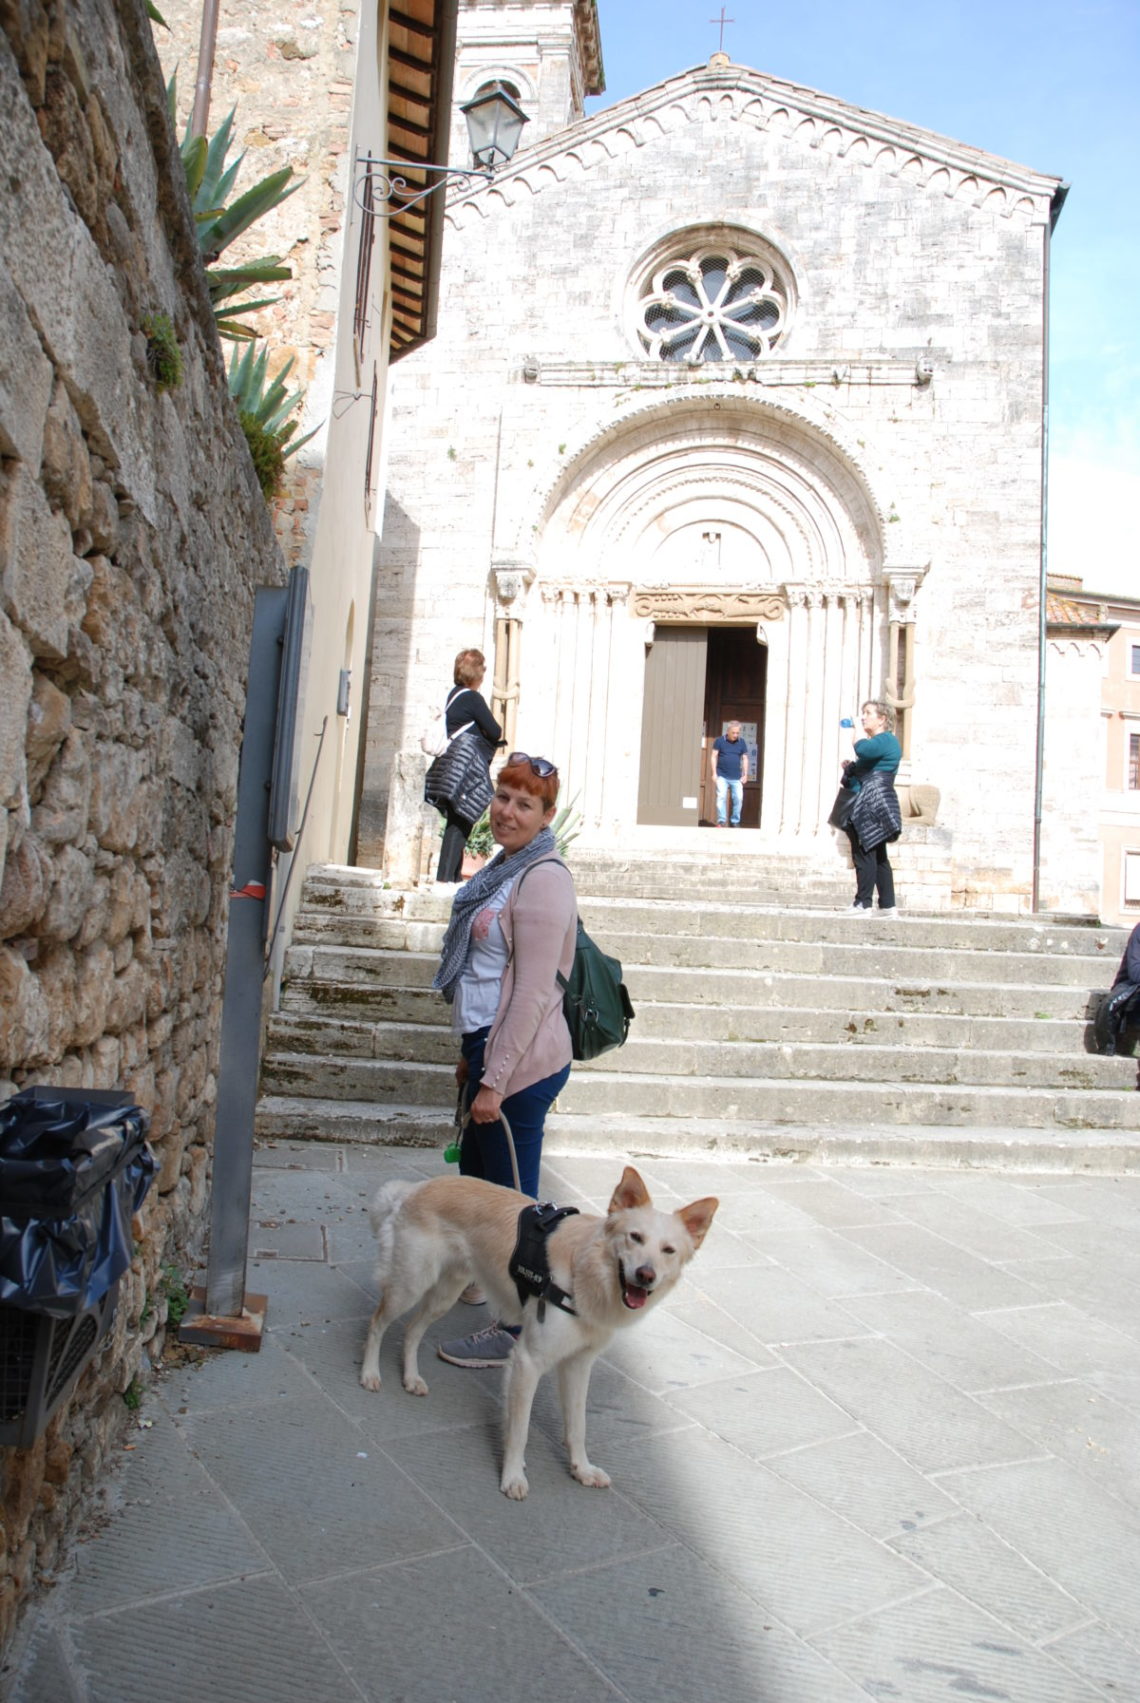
<point>697,679</point>
<point>736,685</point>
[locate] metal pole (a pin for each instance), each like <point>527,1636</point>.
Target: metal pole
<point>200,113</point>
<point>223,1315</point>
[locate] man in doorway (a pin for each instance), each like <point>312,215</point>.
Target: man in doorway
<point>729,772</point>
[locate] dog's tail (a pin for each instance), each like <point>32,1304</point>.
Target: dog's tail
<point>389,1198</point>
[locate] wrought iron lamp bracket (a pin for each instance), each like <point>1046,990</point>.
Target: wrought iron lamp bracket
<point>391,193</point>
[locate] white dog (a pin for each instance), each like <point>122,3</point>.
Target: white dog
<point>438,1236</point>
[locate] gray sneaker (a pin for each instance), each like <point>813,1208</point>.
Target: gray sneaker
<point>489,1347</point>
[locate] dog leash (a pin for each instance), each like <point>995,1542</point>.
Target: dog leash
<point>530,1263</point>
<point>462,1119</point>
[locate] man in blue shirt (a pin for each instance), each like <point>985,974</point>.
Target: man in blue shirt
<point>729,772</point>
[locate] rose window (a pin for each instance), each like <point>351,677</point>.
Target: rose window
<point>715,306</point>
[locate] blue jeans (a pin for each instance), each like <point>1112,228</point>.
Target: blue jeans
<point>724,791</point>
<point>483,1150</point>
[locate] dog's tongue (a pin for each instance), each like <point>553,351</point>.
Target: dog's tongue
<point>633,1296</point>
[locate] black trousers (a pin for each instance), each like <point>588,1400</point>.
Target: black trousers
<point>451,851</point>
<point>872,872</point>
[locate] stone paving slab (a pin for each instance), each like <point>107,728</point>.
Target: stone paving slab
<point>825,1487</point>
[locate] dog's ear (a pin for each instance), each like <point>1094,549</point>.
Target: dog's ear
<point>697,1217</point>
<point>631,1191</point>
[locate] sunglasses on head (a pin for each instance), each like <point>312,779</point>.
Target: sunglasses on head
<point>540,765</point>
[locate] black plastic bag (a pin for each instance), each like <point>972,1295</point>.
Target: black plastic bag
<point>74,1167</point>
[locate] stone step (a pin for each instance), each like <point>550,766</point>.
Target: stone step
<point>397,986</point>
<point>420,1069</point>
<point>755,1020</point>
<point>411,923</point>
<point>418,1033</point>
<point>1044,1149</point>
<point>891,952</point>
<point>310,1118</point>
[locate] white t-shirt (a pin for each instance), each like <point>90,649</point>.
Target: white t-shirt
<point>480,984</point>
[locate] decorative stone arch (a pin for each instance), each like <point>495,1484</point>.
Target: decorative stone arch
<point>813,434</point>
<point>477,76</point>
<point>800,519</point>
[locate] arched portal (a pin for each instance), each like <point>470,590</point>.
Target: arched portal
<point>669,534</point>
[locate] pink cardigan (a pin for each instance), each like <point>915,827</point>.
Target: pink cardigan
<point>529,1039</point>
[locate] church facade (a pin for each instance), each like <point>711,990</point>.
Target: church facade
<point>734,412</point>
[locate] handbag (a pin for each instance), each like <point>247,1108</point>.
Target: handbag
<point>434,739</point>
<point>842,808</point>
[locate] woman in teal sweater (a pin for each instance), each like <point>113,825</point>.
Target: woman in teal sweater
<point>875,816</point>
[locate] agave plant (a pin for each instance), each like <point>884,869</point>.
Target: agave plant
<point>264,409</point>
<point>210,178</point>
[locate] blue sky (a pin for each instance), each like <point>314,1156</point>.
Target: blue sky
<point>1051,86</point>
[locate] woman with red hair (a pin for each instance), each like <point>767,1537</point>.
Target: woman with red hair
<point>506,944</point>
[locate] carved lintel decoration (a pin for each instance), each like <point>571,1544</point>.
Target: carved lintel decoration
<point>695,604</point>
<point>902,589</point>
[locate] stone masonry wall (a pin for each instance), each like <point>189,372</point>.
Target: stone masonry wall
<point>286,69</point>
<point>132,535</point>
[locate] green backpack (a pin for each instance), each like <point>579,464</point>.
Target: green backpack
<point>595,1003</point>
<point>594,999</point>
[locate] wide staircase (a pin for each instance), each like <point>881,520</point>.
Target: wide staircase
<point>763,1027</point>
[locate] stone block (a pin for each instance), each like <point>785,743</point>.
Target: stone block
<point>16,674</point>
<point>24,1016</point>
<point>72,893</point>
<point>25,379</point>
<point>94,975</point>
<point>26,886</point>
<point>43,584</point>
<point>49,717</point>
<point>116,803</point>
<point>64,806</point>
<point>66,471</point>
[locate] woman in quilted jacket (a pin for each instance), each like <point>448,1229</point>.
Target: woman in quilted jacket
<point>875,819</point>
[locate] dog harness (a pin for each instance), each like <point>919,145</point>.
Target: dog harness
<point>530,1263</point>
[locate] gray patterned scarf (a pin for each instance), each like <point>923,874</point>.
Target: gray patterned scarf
<point>471,898</point>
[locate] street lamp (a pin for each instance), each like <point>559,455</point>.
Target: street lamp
<point>494,126</point>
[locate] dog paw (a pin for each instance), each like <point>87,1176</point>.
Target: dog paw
<point>515,1487</point>
<point>370,1380</point>
<point>415,1386</point>
<point>591,1476</point>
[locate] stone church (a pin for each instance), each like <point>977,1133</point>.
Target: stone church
<point>734,411</point>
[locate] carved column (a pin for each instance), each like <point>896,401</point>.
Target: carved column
<point>510,583</point>
<point>899,683</point>
<point>794,755</point>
